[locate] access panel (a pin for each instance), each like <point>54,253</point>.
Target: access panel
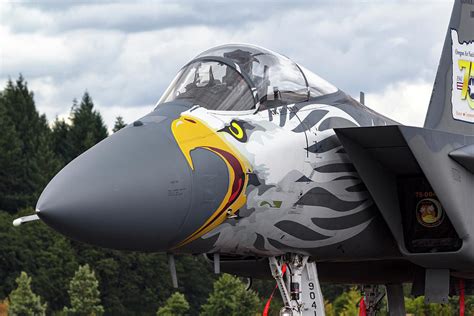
<point>426,226</point>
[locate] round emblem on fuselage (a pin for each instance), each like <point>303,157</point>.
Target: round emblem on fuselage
<point>429,213</point>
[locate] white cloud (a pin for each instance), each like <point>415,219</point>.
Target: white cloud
<point>129,114</point>
<point>45,92</point>
<point>23,17</point>
<point>126,54</point>
<point>405,102</point>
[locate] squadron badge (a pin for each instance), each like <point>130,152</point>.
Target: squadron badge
<point>429,213</point>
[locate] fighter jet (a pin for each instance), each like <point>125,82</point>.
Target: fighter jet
<point>260,164</point>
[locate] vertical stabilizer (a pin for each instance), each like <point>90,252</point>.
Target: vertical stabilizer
<point>452,101</point>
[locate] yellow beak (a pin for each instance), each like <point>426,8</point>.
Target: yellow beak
<point>191,133</point>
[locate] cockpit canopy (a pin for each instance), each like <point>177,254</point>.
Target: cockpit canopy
<point>244,77</point>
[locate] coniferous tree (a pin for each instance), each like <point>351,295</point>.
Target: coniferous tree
<point>45,254</point>
<point>61,142</point>
<point>45,163</point>
<point>231,298</point>
<point>84,293</point>
<point>119,124</point>
<point>176,305</point>
<point>346,303</point>
<point>23,302</point>
<point>37,160</point>
<point>87,127</point>
<point>10,163</point>
<point>198,282</point>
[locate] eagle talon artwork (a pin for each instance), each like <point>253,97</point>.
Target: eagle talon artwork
<point>259,164</point>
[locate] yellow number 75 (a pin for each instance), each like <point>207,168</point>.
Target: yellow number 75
<point>468,73</point>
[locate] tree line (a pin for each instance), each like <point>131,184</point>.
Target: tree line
<point>32,151</point>
<point>229,297</point>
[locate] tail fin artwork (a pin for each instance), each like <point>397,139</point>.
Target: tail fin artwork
<point>451,107</point>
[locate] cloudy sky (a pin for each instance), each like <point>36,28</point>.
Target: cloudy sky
<point>125,53</point>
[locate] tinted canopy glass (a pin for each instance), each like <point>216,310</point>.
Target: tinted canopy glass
<point>213,85</point>
<point>278,80</point>
<point>241,77</point>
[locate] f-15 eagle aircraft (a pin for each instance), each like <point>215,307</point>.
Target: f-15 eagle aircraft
<point>259,163</point>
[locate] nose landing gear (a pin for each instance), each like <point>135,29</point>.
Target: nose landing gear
<point>299,287</point>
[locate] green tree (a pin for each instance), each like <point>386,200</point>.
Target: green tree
<point>84,293</point>
<point>332,291</point>
<point>119,124</point>
<point>87,127</point>
<point>176,305</point>
<point>10,163</point>
<point>264,288</point>
<point>346,303</point>
<point>61,143</point>
<point>23,301</point>
<point>329,309</point>
<point>468,305</point>
<point>197,278</point>
<point>417,307</point>
<point>44,254</point>
<point>134,283</point>
<point>230,297</point>
<point>37,159</point>
<point>131,283</point>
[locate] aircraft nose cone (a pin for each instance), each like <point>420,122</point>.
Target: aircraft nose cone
<point>130,191</point>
